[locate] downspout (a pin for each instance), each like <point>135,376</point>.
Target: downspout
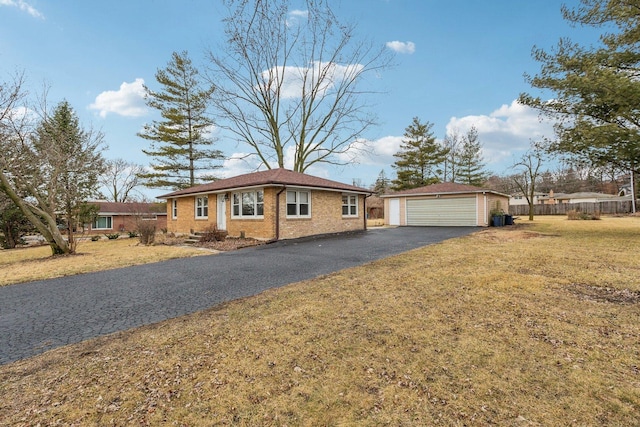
<point>633,191</point>
<point>278,212</point>
<point>365,211</point>
<point>486,207</point>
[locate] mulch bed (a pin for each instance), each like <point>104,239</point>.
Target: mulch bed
<point>230,244</point>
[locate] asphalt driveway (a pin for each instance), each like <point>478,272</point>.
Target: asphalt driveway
<point>38,316</point>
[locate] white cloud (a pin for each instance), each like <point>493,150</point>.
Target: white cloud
<point>297,14</point>
<point>505,132</point>
<point>24,6</point>
<point>238,164</point>
<point>293,77</point>
<point>128,101</point>
<point>378,152</point>
<point>402,47</point>
<point>386,147</point>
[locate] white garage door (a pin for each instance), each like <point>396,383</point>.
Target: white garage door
<point>442,212</point>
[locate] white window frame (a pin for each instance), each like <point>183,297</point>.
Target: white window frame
<point>296,203</point>
<point>349,205</point>
<point>109,221</point>
<point>202,207</point>
<point>174,208</point>
<point>237,204</point>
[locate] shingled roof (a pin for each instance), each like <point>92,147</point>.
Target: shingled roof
<point>442,188</point>
<point>130,208</point>
<point>271,177</point>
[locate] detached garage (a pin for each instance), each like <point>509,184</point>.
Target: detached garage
<point>445,204</point>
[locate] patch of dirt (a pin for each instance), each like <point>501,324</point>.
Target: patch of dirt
<point>509,234</point>
<point>604,294</point>
<point>230,244</point>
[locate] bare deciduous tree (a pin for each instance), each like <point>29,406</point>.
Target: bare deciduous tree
<point>120,179</point>
<point>291,82</point>
<point>529,169</point>
<point>48,164</point>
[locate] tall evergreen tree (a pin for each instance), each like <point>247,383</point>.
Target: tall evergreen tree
<point>180,145</point>
<point>418,158</point>
<point>382,183</point>
<point>595,89</point>
<point>470,164</point>
<point>449,166</point>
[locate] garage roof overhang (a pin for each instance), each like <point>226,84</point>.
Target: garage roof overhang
<point>441,193</point>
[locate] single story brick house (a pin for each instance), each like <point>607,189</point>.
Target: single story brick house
<point>444,204</point>
<point>268,205</point>
<point>122,217</point>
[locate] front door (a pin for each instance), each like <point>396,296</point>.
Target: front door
<point>221,213</point>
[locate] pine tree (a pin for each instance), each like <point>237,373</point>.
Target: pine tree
<point>449,165</point>
<point>179,142</point>
<point>470,164</point>
<point>382,183</point>
<point>418,158</point>
<point>71,164</point>
<point>48,169</point>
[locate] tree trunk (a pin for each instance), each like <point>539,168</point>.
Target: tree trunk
<point>43,222</point>
<point>10,240</point>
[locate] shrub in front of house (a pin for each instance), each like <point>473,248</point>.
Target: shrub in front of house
<point>112,236</point>
<point>147,232</point>
<point>212,234</point>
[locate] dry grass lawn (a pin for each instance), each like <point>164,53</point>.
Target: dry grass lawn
<point>36,263</point>
<point>537,324</point>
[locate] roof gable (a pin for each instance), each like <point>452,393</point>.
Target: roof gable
<point>271,177</point>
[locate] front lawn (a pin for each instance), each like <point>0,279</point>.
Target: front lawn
<point>537,324</point>
<point>36,263</point>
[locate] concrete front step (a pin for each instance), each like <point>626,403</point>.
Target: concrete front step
<point>193,238</point>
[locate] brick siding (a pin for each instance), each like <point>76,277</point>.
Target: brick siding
<point>326,216</point>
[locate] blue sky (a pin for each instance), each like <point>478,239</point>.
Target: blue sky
<point>458,63</point>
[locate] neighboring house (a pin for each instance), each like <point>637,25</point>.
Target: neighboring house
<point>582,197</point>
<point>444,204</point>
<point>625,190</point>
<point>122,217</point>
<point>270,205</point>
<point>521,199</point>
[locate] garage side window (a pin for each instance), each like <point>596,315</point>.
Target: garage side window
<point>174,208</point>
<point>349,205</point>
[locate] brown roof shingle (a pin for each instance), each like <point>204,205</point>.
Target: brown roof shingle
<point>271,177</point>
<point>130,208</point>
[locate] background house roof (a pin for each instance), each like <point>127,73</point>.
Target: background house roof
<point>271,177</point>
<point>130,208</point>
<point>580,195</point>
<point>443,188</point>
